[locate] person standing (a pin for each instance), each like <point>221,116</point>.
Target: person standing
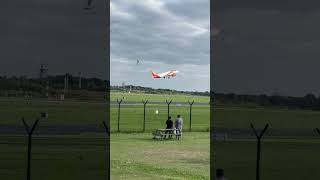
<point>178,124</point>
<point>169,124</point>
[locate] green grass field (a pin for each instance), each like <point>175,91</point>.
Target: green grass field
<point>131,117</point>
<point>157,97</point>
<point>280,159</point>
<point>67,112</point>
<point>59,156</point>
<point>93,113</point>
<point>54,157</point>
<point>136,156</point>
<point>70,112</point>
<point>83,157</point>
<point>277,118</point>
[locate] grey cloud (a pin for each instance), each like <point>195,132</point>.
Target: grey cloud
<point>163,37</point>
<point>267,46</point>
<point>157,34</point>
<point>282,5</point>
<point>190,78</point>
<point>191,10</point>
<point>57,33</point>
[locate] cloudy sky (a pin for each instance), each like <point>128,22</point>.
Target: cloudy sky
<point>267,46</point>
<point>58,33</point>
<point>163,35</point>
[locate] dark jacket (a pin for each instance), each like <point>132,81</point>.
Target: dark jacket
<point>169,123</point>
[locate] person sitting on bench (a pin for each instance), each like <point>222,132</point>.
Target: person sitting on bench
<point>169,124</point>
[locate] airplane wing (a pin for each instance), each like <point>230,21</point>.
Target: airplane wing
<point>172,73</point>
<point>165,74</point>
<point>168,74</point>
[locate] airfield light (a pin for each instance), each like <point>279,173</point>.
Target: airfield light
<point>157,112</point>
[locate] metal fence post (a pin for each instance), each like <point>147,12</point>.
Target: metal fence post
<point>258,148</point>
<point>168,103</point>
<point>190,103</point>
<point>29,132</point>
<point>144,114</point>
<point>119,103</point>
<point>108,146</point>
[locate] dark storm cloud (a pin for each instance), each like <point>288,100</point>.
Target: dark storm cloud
<point>58,33</point>
<point>267,46</point>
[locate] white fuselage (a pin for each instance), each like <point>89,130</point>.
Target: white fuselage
<point>168,74</point>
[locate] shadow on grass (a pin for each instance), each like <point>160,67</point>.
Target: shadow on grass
<point>152,140</point>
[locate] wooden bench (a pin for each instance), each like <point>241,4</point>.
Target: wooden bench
<point>166,133</point>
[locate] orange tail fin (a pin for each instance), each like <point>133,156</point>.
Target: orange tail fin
<point>154,75</point>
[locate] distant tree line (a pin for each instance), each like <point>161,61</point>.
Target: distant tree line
<point>149,90</point>
<point>18,86</point>
<point>309,101</point>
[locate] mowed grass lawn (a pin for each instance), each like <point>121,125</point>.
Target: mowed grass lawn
<point>83,157</point>
<point>54,157</point>
<point>137,156</point>
<point>277,118</point>
<point>64,113</point>
<point>131,117</point>
<point>158,97</point>
<point>280,159</point>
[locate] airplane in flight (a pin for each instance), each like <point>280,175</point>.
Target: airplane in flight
<point>168,74</point>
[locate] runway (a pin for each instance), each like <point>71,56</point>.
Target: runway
<point>231,133</point>
<point>8,129</point>
<point>276,133</point>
